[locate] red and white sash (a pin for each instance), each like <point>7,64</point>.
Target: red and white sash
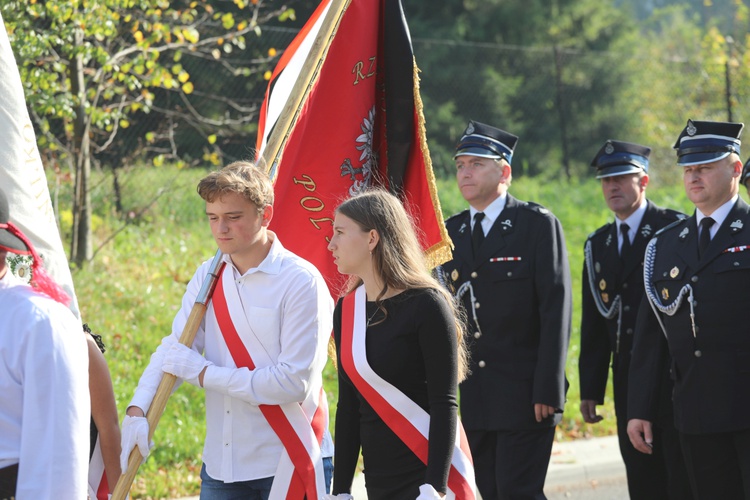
<point>300,426</point>
<point>402,415</point>
<point>98,487</point>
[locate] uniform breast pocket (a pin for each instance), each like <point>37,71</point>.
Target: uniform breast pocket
<point>501,270</point>
<point>730,282</point>
<point>265,325</point>
<point>733,261</point>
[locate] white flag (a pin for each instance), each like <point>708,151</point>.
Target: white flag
<point>22,176</point>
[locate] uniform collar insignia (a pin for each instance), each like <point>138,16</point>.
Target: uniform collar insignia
<point>684,233</point>
<point>507,224</point>
<point>462,228</point>
<point>646,230</point>
<point>609,240</point>
<point>736,225</point>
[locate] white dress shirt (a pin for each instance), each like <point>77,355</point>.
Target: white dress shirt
<point>290,310</point>
<point>718,215</point>
<point>633,221</point>
<point>491,212</point>
<point>45,407</point>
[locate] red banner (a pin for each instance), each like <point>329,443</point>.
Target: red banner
<point>360,126</point>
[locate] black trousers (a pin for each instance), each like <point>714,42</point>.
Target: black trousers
<point>511,465</point>
<point>718,465</point>
<point>661,475</point>
<point>8,481</point>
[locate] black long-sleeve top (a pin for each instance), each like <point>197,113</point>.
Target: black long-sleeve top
<point>413,347</point>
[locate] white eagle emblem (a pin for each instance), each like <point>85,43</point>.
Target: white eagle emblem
<point>367,158</point>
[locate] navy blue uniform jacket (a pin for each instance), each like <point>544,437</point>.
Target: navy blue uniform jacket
<point>521,282</point>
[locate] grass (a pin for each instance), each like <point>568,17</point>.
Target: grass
<point>133,288</point>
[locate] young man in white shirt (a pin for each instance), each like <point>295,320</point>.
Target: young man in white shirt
<point>45,408</point>
<point>259,352</point>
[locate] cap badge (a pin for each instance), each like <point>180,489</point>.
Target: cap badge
<point>602,285</point>
<point>674,272</point>
<point>605,297</point>
<point>609,240</point>
<point>736,225</point>
<point>609,148</point>
<point>665,294</point>
<point>597,267</point>
<point>646,230</point>
<point>691,130</point>
<point>454,274</point>
<point>470,129</point>
<point>684,233</point>
<point>507,224</point>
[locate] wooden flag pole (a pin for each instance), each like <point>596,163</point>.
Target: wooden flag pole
<point>168,381</point>
<point>282,129</point>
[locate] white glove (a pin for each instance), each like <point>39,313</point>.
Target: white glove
<point>340,496</point>
<point>181,361</point>
<point>134,432</point>
<point>427,492</point>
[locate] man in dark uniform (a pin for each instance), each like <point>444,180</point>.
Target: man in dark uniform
<point>697,282</point>
<point>612,289</point>
<point>510,271</point>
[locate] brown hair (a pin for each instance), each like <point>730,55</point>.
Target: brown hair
<point>242,177</point>
<point>398,256</point>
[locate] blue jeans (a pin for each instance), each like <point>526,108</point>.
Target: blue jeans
<point>328,471</point>
<point>213,489</point>
<point>256,489</point>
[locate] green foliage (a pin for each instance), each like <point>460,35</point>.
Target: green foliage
<point>137,57</point>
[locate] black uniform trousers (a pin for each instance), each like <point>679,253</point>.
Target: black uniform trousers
<point>511,465</point>
<point>720,464</point>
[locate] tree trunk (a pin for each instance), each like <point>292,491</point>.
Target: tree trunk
<point>81,247</point>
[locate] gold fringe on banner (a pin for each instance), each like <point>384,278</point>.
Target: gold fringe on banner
<point>440,252</point>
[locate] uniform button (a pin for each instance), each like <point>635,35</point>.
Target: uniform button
<point>477,335</point>
<point>626,308</point>
<point>694,279</point>
<point>481,364</point>
<point>736,264</point>
<point>664,274</point>
<point>510,274</point>
<point>629,331</point>
<point>698,353</point>
<point>474,274</point>
<point>476,305</point>
<point>226,444</point>
<point>625,285</point>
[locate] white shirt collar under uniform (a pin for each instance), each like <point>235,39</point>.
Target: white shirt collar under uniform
<point>633,221</point>
<point>718,216</point>
<point>491,213</point>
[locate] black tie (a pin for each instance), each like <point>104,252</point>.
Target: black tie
<point>477,233</point>
<point>705,236</point>
<point>625,248</point>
